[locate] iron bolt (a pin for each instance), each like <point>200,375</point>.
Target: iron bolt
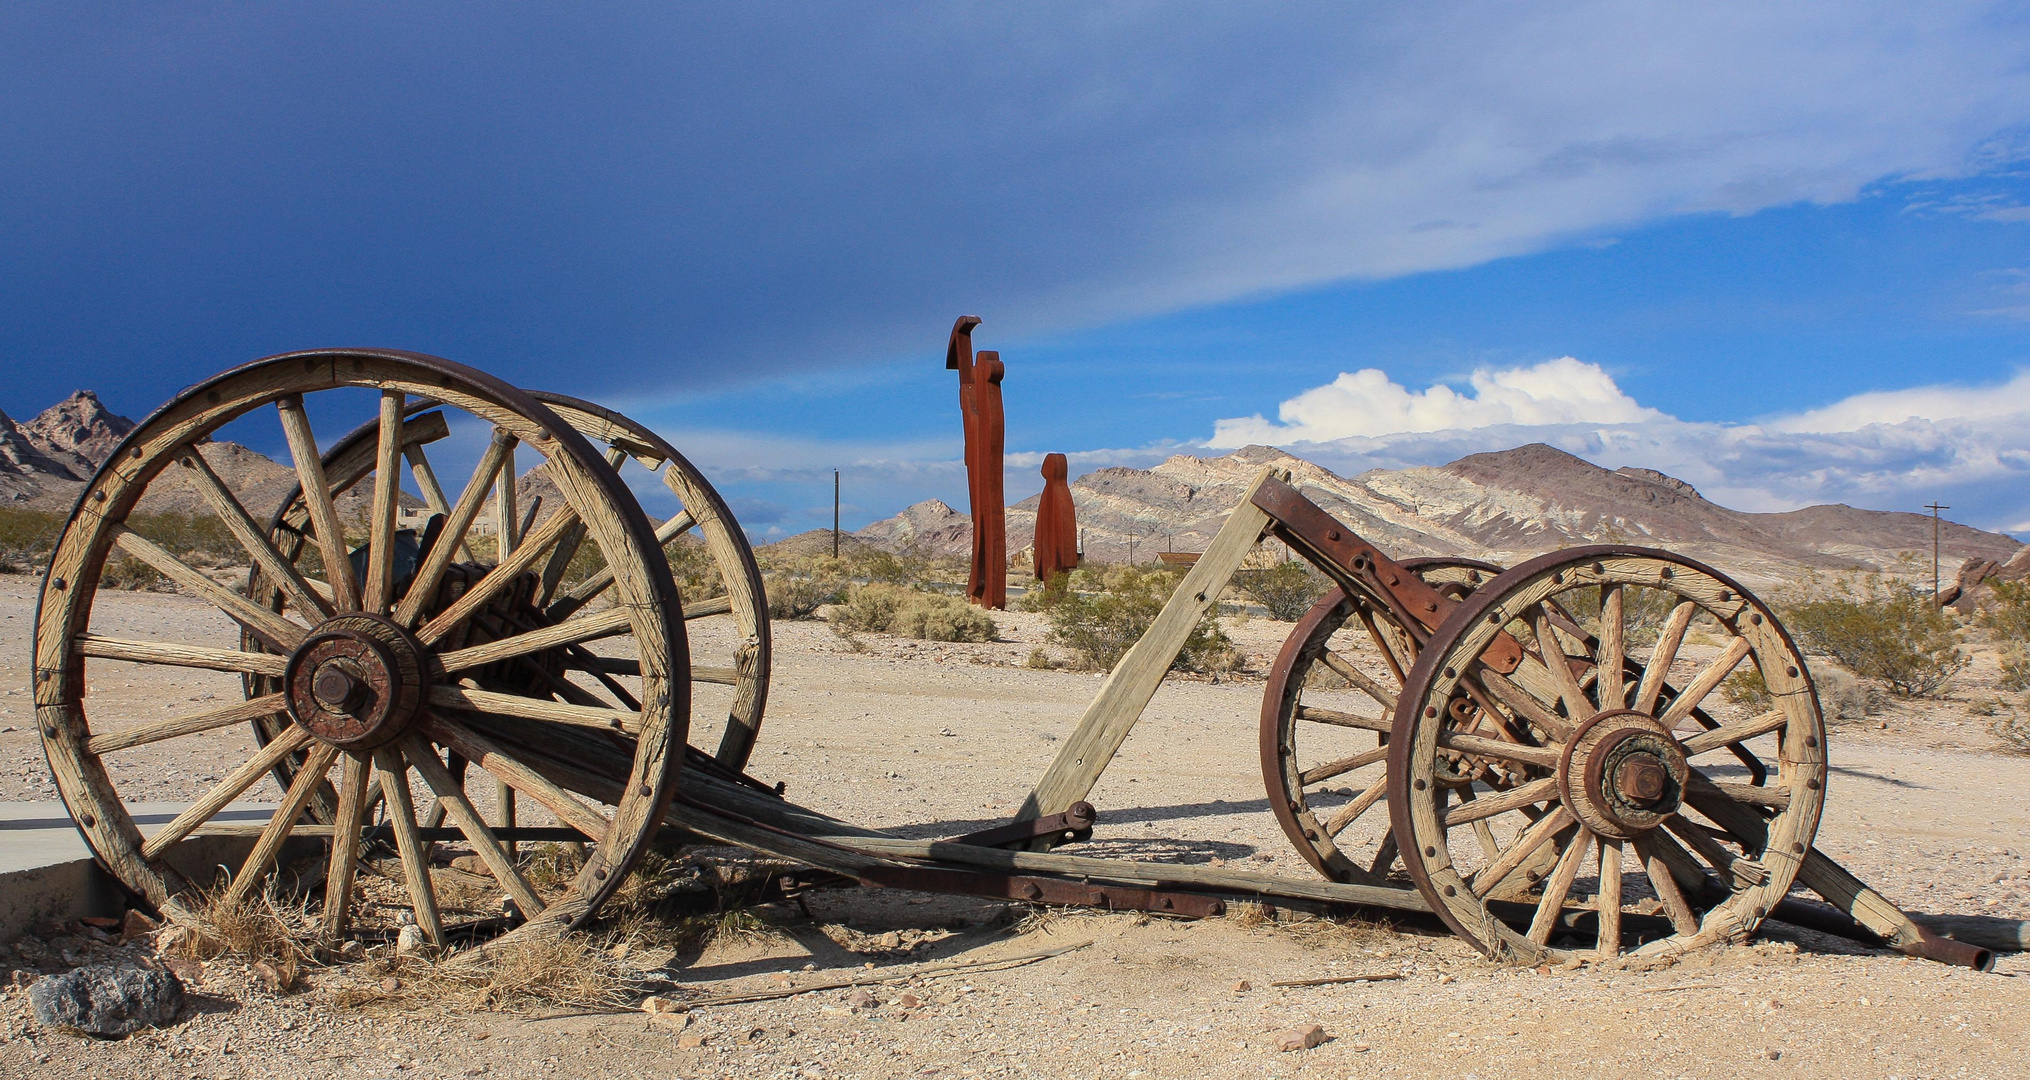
<point>337,689</point>
<point>1642,778</point>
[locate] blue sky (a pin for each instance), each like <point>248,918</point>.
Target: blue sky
<point>1785,247</point>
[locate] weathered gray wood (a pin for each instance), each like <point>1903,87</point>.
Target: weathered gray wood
<point>1119,704</point>
<point>188,724</point>
<point>177,654</point>
<point>393,775</point>
<point>317,499</point>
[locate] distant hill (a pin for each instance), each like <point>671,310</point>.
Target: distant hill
<point>1503,506</point>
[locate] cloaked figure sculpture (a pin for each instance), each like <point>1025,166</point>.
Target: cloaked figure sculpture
<point>986,436</point>
<point>1056,522</point>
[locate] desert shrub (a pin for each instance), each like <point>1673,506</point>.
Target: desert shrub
<point>2015,669</point>
<point>1045,595</point>
<point>1877,630</point>
<point>1746,687</point>
<point>1287,589</point>
<point>1643,612</point>
<point>2008,617</point>
<point>898,609</point>
<point>798,587</point>
<point>2013,729</point>
<point>26,538</point>
<point>1098,627</point>
<point>1843,699</point>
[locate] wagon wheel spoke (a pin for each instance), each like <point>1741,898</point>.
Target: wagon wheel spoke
<point>567,548</point>
<point>1577,707</point>
<point>317,497</point>
<point>1347,814</point>
<point>1339,665</point>
<point>1332,769</point>
<point>1480,809</point>
<point>483,702</point>
<point>178,654</point>
<point>345,842</point>
<point>1733,734</point>
<point>433,492</point>
<point>1663,655</point>
<point>459,809</point>
<point>242,778</point>
<point>269,844</point>
<point>188,724</point>
<point>592,587</point>
<point>1657,853</point>
<point>380,584</point>
<point>392,774</point>
<point>510,769</point>
<point>1490,877</point>
<point>430,576</point>
<point>500,576</point>
<point>1559,886</point>
<point>1609,898</point>
<point>1611,660</point>
<point>269,626</point>
<point>1381,643</point>
<point>1705,682</point>
<point>309,605</point>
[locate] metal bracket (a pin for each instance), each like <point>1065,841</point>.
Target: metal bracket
<point>1075,823</point>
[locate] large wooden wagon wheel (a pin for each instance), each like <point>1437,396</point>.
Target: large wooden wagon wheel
<point>1595,751</point>
<point>382,653</point>
<point>742,599</point>
<point>1326,712</point>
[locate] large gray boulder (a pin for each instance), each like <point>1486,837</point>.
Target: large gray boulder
<point>108,1000</point>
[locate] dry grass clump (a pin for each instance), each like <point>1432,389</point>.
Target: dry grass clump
<point>260,930</point>
<point>1104,612</point>
<point>518,973</point>
<point>2013,729</point>
<point>1317,931</point>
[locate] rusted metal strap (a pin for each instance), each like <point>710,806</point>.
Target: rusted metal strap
<point>1044,890</point>
<point>1074,824</point>
<point>1351,560</point>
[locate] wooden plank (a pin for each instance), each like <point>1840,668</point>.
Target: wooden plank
<point>1119,704</point>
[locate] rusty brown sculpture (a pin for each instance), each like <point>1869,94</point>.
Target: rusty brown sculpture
<point>986,433</point>
<point>1056,522</point>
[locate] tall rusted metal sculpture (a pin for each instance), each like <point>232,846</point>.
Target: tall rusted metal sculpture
<point>1056,522</point>
<point>986,433</point>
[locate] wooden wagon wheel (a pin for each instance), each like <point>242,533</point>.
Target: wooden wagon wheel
<point>391,656</point>
<point>743,601</point>
<point>1323,764</point>
<point>1593,749</point>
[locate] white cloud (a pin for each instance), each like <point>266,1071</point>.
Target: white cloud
<point>1368,403</point>
<point>1883,450</point>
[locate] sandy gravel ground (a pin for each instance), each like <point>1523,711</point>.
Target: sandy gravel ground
<point>948,737</point>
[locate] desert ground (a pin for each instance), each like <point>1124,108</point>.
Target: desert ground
<point>942,738</point>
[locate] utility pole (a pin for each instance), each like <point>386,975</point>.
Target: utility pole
<point>1934,506</point>
<point>835,513</point>
<point>1131,546</point>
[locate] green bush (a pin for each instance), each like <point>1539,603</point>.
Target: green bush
<point>1877,630</point>
<point>1287,589</point>
<point>897,609</point>
<point>1097,627</point>
<point>1045,595</point>
<point>797,588</point>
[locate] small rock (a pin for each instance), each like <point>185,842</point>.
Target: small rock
<point>671,1021</point>
<point>691,1042</point>
<point>107,1000</point>
<point>409,941</point>
<point>909,1001</point>
<point>1242,986</point>
<point>471,864</point>
<point>353,949</point>
<point>1774,1055</point>
<point>655,1005</point>
<point>1301,1038</point>
<point>187,969</point>
<point>1361,1048</point>
<point>390,984</point>
<point>135,924</point>
<point>276,979</point>
<point>101,922</point>
<point>861,998</point>
<point>1447,980</point>
<point>890,940</point>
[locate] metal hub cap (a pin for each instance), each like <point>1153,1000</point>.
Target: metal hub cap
<point>1622,774</point>
<point>356,682</point>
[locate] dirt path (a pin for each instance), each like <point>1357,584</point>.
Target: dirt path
<point>947,737</point>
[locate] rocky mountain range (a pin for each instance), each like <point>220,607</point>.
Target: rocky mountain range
<point>1502,506</point>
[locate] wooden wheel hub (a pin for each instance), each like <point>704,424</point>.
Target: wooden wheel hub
<point>1622,774</point>
<point>356,682</point>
